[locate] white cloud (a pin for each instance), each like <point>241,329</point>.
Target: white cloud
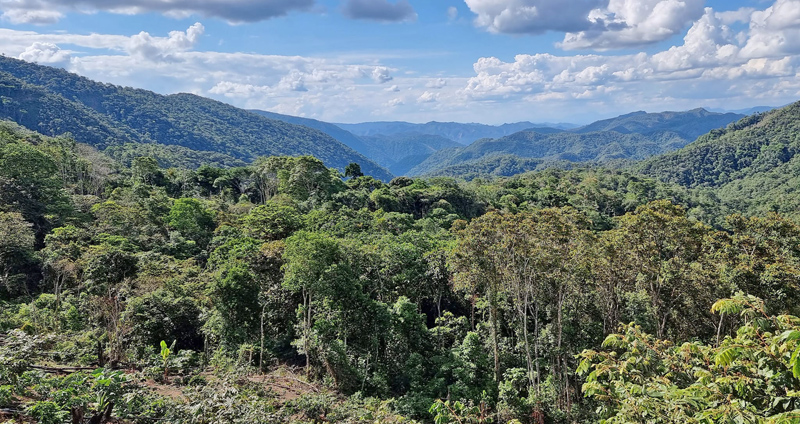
<point>36,17</point>
<point>45,53</point>
<point>630,23</point>
<point>532,16</point>
<point>395,102</point>
<point>381,74</point>
<point>714,62</point>
<point>437,83</point>
<point>158,48</point>
<point>774,31</point>
<point>230,10</point>
<point>589,24</point>
<point>428,97</point>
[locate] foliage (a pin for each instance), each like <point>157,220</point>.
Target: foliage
<point>294,293</point>
<point>752,376</point>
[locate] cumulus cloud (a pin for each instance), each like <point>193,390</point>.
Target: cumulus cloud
<point>589,24</point>
<point>629,23</point>
<point>428,97</point>
<point>235,11</point>
<point>714,60</point>
<point>379,10</point>
<point>381,74</point>
<point>774,31</point>
<point>148,47</point>
<point>45,53</point>
<point>533,16</point>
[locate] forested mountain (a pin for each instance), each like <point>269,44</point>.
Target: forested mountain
<point>402,152</point>
<point>396,152</point>
<point>752,164</point>
<point>54,102</point>
<point>565,146</point>
<point>461,133</point>
<point>689,125</point>
<point>629,137</point>
<point>345,137</point>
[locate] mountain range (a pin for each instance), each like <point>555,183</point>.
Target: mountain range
<point>53,102</point>
<point>186,130</point>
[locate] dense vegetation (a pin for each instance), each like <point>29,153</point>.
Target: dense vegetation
<point>55,102</point>
<point>286,291</point>
<point>752,164</point>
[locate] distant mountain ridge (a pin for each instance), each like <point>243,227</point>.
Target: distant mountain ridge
<point>461,133</point>
<point>633,136</point>
<point>53,101</point>
<point>689,124</point>
<point>396,152</point>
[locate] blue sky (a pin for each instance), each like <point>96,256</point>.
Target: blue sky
<point>489,61</point>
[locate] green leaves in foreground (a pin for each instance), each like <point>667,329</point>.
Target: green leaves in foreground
<point>752,377</point>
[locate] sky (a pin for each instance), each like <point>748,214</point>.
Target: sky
<point>487,61</point>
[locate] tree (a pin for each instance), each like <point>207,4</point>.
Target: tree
<point>272,221</point>
<point>314,263</point>
<point>192,220</point>
<point>16,249</point>
<point>145,169</point>
<point>476,269</point>
<point>665,247</point>
<point>353,170</point>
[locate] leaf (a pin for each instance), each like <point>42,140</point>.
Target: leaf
<point>795,363</point>
<point>789,335</point>
<point>583,366</point>
<point>727,356</point>
<point>727,306</point>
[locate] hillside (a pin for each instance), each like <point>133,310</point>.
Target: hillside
<point>690,124</point>
<point>402,152</point>
<point>634,136</point>
<point>752,163</point>
<point>461,133</point>
<point>53,101</point>
<point>345,137</point>
<point>590,147</point>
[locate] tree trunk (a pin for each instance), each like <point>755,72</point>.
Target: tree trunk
<point>494,340</point>
<point>261,352</point>
<point>524,317</point>
<point>536,347</point>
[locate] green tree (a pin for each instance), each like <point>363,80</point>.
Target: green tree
<point>191,218</point>
<point>353,170</point>
<point>16,250</point>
